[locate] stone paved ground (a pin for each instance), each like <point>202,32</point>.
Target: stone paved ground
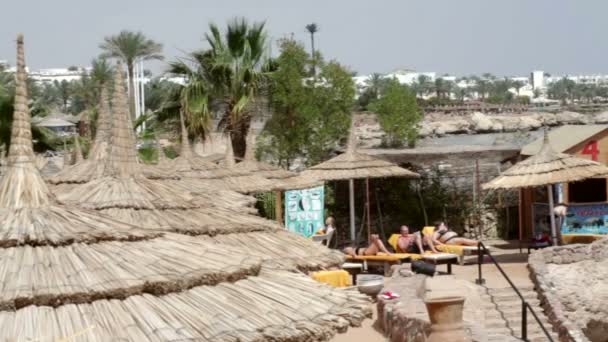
<point>513,263</point>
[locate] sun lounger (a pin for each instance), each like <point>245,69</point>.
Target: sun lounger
<point>383,260</point>
<point>459,251</point>
<point>441,259</point>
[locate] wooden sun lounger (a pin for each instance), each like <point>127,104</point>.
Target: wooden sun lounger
<point>441,259</point>
<point>385,261</point>
<point>460,251</point>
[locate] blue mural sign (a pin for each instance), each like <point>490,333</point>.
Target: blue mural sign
<point>304,210</point>
<point>586,219</point>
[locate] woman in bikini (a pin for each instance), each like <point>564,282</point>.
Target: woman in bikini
<point>375,246</point>
<point>443,236</point>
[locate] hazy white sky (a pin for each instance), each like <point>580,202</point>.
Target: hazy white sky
<point>460,37</point>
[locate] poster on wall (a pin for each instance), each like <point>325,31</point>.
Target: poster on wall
<point>586,219</point>
<point>304,210</point>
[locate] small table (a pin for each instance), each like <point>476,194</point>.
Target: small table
<point>441,259</point>
<point>353,268</point>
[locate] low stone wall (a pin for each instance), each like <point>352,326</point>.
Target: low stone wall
<point>572,283</point>
<point>406,319</point>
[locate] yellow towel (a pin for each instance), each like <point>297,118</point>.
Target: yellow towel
<point>338,278</point>
<point>452,249</point>
<point>581,238</point>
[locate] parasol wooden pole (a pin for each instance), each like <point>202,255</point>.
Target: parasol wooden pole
<point>351,201</point>
<point>551,216</point>
<point>278,206</point>
<point>367,207</point>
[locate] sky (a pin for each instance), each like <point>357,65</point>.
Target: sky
<point>457,37</point>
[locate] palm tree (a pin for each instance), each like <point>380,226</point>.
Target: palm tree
<point>374,84</point>
<point>131,47</point>
<point>236,59</point>
<point>312,29</point>
<point>517,85</point>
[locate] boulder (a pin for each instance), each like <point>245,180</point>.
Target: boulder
<point>571,118</point>
<point>482,123</point>
<point>425,129</point>
<point>527,123</point>
<point>457,126</point>
<point>601,118</point>
<point>509,123</point>
<point>546,119</point>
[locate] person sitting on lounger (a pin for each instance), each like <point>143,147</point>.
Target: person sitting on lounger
<point>413,243</point>
<point>375,246</point>
<point>442,235</point>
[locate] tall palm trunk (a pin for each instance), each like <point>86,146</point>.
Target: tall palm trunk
<point>131,91</point>
<point>314,57</point>
<point>238,134</point>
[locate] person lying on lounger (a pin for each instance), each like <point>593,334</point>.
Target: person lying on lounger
<point>442,235</point>
<point>375,246</point>
<point>413,243</point>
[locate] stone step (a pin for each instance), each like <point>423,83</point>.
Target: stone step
<point>509,290</point>
<point>503,296</point>
<point>515,317</point>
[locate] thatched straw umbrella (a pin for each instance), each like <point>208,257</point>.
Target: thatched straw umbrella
<point>72,274</point>
<point>546,168</point>
<point>251,165</point>
<point>77,156</point>
<point>352,165</point>
<point>92,167</point>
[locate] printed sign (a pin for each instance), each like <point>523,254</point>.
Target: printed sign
<point>304,210</point>
<point>586,219</point>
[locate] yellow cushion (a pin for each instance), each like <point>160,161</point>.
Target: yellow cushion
<point>392,241</point>
<point>452,249</point>
<point>386,257</point>
<point>581,238</point>
<point>337,278</point>
<point>428,230</point>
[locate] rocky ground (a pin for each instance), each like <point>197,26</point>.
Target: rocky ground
<point>572,281</point>
<point>437,125</point>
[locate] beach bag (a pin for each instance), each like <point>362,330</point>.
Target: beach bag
<point>421,267</point>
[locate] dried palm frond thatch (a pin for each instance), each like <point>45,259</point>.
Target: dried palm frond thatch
<point>274,306</point>
<point>546,167</point>
<point>354,165</point>
<point>92,167</point>
<point>74,274</point>
<point>251,165</point>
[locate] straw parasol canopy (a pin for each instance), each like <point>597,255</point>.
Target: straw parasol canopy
<point>69,273</point>
<point>251,165</point>
<point>353,165</point>
<point>126,194</point>
<point>85,170</point>
<point>78,157</point>
<point>546,168</point>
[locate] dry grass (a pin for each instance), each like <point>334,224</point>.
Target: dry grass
<point>546,167</point>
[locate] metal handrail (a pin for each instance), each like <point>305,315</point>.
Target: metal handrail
<point>524,304</point>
